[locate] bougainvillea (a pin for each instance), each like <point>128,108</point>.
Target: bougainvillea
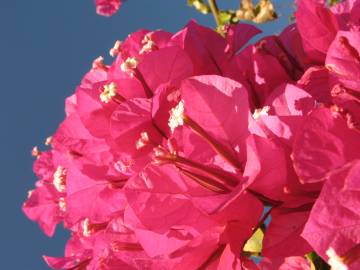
<point>107,7</point>
<point>195,150</point>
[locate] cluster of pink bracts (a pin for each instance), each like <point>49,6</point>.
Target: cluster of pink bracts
<point>174,155</point>
<point>107,7</point>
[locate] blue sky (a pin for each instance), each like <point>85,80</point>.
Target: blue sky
<point>46,46</point>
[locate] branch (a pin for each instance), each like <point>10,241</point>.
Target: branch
<point>215,11</point>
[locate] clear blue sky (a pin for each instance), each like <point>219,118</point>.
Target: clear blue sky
<point>46,46</point>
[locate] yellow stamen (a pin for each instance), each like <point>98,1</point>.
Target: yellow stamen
<point>98,63</point>
<point>48,140</point>
<point>59,180</point>
<point>62,204</point>
<point>142,141</point>
<point>262,111</point>
<point>176,116</point>
<point>30,192</point>
<point>86,228</point>
<point>129,65</point>
<point>116,49</point>
<point>148,44</point>
<point>108,92</point>
<point>35,152</point>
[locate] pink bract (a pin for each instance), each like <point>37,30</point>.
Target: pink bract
<point>107,7</point>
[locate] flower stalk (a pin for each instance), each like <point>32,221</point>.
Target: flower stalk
<point>215,11</point>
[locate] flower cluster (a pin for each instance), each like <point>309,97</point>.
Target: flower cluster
<point>198,151</point>
<point>107,7</point>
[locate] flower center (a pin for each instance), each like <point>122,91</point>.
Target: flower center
<point>62,204</point>
<point>148,44</point>
<point>59,179</point>
<point>109,93</point>
<point>89,228</point>
<point>129,65</point>
<point>143,140</point>
<point>262,111</point>
<point>176,116</point>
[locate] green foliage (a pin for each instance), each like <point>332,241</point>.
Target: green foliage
<point>228,17</point>
<point>254,244</point>
<point>262,12</point>
<point>200,6</point>
<point>333,2</point>
<point>316,262</point>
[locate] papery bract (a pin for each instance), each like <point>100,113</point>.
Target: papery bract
<point>333,222</point>
<point>107,7</point>
<point>43,207</point>
<point>317,27</point>
<point>324,144</point>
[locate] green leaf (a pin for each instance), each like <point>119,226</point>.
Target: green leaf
<point>333,2</point>
<point>199,5</point>
<point>254,244</point>
<point>224,17</point>
<point>316,262</point>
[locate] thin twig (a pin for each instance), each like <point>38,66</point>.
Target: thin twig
<point>215,11</point>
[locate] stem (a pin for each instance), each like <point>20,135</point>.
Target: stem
<point>215,11</point>
<point>218,147</point>
<point>206,182</point>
